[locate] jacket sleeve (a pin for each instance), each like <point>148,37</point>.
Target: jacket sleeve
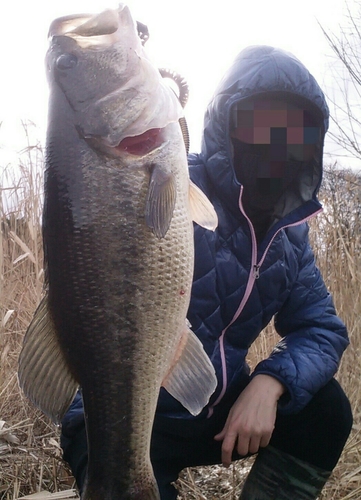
<point>313,337</point>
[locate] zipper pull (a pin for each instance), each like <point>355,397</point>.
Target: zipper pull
<point>256,271</point>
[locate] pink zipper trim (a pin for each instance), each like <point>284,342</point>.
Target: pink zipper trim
<point>283,227</point>
<point>253,275</point>
<point>250,283</point>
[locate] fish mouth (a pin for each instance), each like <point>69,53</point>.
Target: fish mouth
<point>93,30</point>
<point>138,145</point>
<point>141,145</point>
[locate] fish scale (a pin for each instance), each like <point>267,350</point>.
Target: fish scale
<point>133,299</point>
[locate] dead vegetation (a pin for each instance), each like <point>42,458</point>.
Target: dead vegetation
<point>30,456</point>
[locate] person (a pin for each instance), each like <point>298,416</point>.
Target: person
<point>261,167</point>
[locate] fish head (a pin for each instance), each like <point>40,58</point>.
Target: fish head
<point>111,87</point>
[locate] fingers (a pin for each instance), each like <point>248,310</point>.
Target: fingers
<point>251,420</point>
<point>252,445</point>
<point>251,442</point>
<point>248,445</point>
<point>220,436</point>
<point>228,445</point>
<point>245,443</point>
<point>265,439</point>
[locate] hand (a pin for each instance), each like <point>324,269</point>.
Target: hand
<point>251,420</point>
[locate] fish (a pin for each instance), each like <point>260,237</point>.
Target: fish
<point>118,252</point>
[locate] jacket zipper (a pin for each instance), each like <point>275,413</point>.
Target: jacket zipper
<point>256,271</point>
<point>253,276</point>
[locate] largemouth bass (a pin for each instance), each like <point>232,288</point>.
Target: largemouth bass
<point>118,245</point>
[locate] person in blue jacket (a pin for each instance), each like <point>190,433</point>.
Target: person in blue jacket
<point>261,167</point>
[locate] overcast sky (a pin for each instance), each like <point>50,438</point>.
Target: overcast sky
<point>197,38</point>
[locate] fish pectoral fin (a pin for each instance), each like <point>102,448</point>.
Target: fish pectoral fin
<point>191,379</point>
<point>43,373</point>
<point>160,202</point>
<point>202,211</point>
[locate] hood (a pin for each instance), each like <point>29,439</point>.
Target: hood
<point>268,72</point>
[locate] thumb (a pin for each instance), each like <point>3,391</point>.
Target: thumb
<point>220,435</point>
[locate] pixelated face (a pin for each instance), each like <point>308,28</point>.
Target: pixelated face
<point>281,131</point>
<point>290,128</point>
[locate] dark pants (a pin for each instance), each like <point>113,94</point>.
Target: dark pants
<point>317,435</point>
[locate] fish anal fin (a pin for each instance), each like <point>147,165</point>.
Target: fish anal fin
<point>160,201</point>
<point>43,373</point>
<point>191,379</point>
<point>202,211</point>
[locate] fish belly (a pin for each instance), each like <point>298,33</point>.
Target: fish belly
<point>119,297</point>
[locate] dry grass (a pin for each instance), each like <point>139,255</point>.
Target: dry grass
<point>30,457</point>
<point>32,461</point>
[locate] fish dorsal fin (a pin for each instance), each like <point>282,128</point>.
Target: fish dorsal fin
<point>202,211</point>
<point>191,379</point>
<point>104,23</point>
<point>43,373</point>
<point>161,200</point>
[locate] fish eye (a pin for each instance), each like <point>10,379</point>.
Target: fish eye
<point>66,61</point>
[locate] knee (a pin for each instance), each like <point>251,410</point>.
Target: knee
<point>336,409</point>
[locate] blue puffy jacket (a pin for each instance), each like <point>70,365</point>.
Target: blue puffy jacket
<point>239,285</point>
